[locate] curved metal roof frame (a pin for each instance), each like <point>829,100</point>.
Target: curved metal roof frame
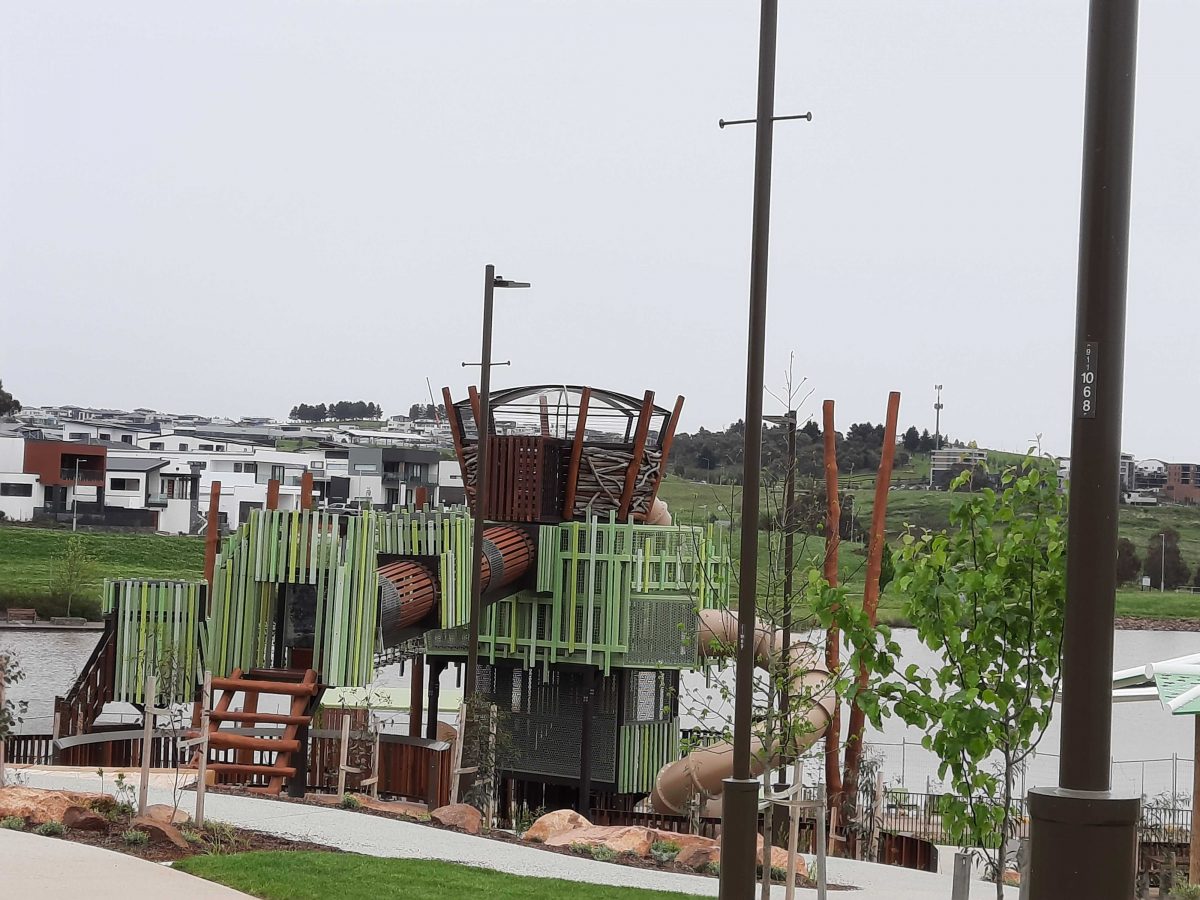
<point>624,402</point>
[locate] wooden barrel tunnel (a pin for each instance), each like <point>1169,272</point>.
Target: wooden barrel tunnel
<point>409,589</point>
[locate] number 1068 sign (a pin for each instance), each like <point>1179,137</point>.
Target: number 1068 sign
<point>1086,395</point>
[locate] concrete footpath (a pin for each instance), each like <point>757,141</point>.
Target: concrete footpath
<point>377,836</point>
<point>46,867</point>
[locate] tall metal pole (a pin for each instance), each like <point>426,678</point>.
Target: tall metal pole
<point>937,418</point>
<point>740,798</point>
<point>75,496</point>
<point>481,467</point>
<point>1083,835</point>
<point>1162,565</point>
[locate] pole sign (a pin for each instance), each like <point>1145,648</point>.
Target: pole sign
<point>1086,396</point>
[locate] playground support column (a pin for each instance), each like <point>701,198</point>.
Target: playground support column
<point>212,534</point>
<point>435,678</point>
<point>306,490</point>
<point>416,689</point>
<point>585,744</point>
<point>273,493</point>
<point>740,800</point>
<point>1082,834</point>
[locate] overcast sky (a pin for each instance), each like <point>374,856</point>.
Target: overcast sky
<point>230,208</point>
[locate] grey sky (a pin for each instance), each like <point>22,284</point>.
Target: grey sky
<point>234,207</point>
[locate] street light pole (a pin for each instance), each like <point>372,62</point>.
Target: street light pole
<point>739,816</point>
<point>1162,566</point>
<point>937,418</point>
<point>1083,835</point>
<point>75,496</point>
<point>483,432</point>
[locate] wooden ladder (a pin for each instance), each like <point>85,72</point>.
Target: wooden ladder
<point>300,685</point>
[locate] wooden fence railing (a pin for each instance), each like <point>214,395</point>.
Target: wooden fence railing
<point>411,768</point>
<point>75,713</point>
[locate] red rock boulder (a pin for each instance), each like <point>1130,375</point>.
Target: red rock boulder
<point>459,816</point>
<point>77,818</point>
<point>38,806</point>
<point>159,832</point>
<point>553,824</point>
<point>618,838</point>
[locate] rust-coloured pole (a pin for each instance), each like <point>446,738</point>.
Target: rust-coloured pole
<point>664,445</point>
<point>883,483</point>
<point>306,490</point>
<point>833,649</point>
<point>212,534</point>
<point>420,497</point>
<point>273,494</point>
<point>639,450</point>
<point>576,454</point>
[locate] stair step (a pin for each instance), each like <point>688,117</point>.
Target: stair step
<point>296,675</point>
<point>265,687</point>
<point>251,769</point>
<point>263,718</point>
<point>224,740</point>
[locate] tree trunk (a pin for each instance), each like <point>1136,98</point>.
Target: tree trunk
<point>871,591</point>
<point>833,520</point>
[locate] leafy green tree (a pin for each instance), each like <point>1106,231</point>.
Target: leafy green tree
<point>927,441</point>
<point>912,439</point>
<point>987,595</point>
<point>1168,566</point>
<point>1129,564</point>
<point>8,403</point>
<point>73,574</point>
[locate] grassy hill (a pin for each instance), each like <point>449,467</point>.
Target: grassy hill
<point>28,557</point>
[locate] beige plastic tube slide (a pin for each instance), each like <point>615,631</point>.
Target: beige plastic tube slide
<point>705,769</point>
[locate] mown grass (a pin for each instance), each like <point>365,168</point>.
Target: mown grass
<point>313,875</point>
<point>28,557</point>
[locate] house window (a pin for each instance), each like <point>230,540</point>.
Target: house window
<point>105,436</point>
<point>77,436</point>
<point>365,467</point>
<point>247,468</point>
<point>15,489</point>
<point>123,484</point>
<point>221,448</point>
<point>183,446</point>
<point>157,445</point>
<point>205,447</point>
<point>316,464</point>
<point>127,439</point>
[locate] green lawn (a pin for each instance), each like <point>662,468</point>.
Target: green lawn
<point>313,875</point>
<point>28,557</point>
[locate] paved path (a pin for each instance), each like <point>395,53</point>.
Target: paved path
<point>49,867</point>
<point>376,836</point>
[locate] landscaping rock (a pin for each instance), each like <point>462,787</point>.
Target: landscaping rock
<point>38,806</point>
<point>555,823</point>
<point>778,857</point>
<point>618,838</point>
<point>458,815</point>
<point>163,812</point>
<point>159,832</point>
<point>77,818</point>
<point>399,807</point>
<point>685,841</point>
<point>699,856</point>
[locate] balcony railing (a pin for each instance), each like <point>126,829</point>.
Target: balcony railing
<point>157,499</point>
<point>85,476</point>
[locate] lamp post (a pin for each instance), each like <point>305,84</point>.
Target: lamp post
<point>491,281</point>
<point>1162,565</point>
<point>937,418</point>
<point>75,495</point>
<point>1083,834</point>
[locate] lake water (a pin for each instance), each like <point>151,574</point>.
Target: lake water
<point>1152,750</point>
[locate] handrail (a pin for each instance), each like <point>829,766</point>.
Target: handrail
<point>100,737</point>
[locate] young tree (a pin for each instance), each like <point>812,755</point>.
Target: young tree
<point>1129,564</point>
<point>987,596</point>
<point>912,439</point>
<point>8,403</point>
<point>1169,567</point>
<point>74,571</point>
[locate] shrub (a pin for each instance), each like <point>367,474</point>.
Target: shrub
<point>135,838</point>
<point>711,868</point>
<point>13,823</point>
<point>584,849</point>
<point>349,801</point>
<point>50,829</point>
<point>664,851</point>
<point>603,854</point>
<point>1186,892</point>
<point>192,836</point>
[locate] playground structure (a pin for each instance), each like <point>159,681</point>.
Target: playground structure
<point>593,604</point>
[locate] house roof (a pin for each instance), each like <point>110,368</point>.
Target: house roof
<point>135,464</point>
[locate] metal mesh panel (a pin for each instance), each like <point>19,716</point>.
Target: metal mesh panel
<point>649,695</point>
<point>662,631</point>
<point>544,714</point>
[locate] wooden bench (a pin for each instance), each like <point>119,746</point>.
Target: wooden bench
<point>26,616</point>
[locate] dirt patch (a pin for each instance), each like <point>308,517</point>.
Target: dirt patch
<point>1139,623</point>
<point>243,840</point>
